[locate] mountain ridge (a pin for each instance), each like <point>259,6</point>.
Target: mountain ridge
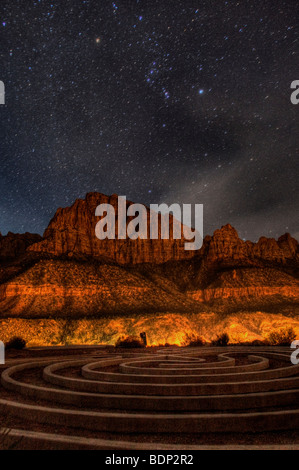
<point>70,272</point>
<point>72,230</point>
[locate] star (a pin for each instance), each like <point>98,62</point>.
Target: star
<point>117,115</point>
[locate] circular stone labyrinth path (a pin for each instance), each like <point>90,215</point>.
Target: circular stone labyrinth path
<point>167,398</point>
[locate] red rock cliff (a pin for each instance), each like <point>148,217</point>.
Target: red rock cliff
<point>72,232</point>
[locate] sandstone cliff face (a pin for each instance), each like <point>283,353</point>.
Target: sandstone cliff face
<point>72,232</point>
<point>13,245</point>
<point>225,247</point>
<point>71,272</point>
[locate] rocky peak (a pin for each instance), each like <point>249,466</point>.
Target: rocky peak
<point>226,231</point>
<point>288,244</point>
<point>71,232</point>
<point>225,246</point>
<point>13,245</point>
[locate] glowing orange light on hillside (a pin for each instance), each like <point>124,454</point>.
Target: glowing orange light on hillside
<point>160,328</point>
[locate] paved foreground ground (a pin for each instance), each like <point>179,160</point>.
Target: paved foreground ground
<point>156,398</point>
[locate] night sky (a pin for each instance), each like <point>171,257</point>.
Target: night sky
<point>161,101</point>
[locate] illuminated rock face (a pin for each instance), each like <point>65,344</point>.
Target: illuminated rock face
<point>70,272</point>
<point>72,232</point>
<point>66,287</point>
<point>225,247</point>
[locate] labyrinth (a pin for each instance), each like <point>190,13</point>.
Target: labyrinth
<point>127,399</point>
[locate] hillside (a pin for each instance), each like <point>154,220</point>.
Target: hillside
<point>70,273</point>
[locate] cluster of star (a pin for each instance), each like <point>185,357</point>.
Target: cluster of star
<point>161,104</point>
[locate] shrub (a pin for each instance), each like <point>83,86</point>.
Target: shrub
<point>198,341</point>
<point>129,342</point>
<point>193,340</point>
<point>221,340</point>
<point>282,337</point>
<point>16,343</point>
